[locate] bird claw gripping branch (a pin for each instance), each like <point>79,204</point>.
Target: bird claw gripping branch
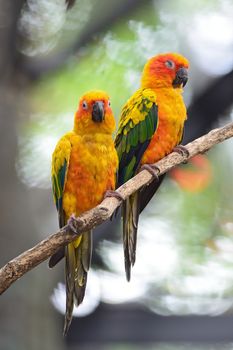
<point>153,170</point>
<point>114,194</point>
<point>183,151</point>
<point>72,224</point>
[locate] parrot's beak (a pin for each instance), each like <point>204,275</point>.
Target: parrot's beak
<point>181,78</point>
<point>98,112</point>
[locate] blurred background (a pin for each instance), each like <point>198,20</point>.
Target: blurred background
<point>181,293</point>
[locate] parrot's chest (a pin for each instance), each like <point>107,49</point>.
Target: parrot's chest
<point>171,115</point>
<point>91,173</point>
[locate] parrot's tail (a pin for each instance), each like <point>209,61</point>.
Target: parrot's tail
<point>83,260</point>
<point>78,260</point>
<point>70,278</point>
<point>130,213</point>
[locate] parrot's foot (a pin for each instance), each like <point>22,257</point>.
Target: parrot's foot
<point>153,170</point>
<point>72,226</point>
<point>117,195</point>
<point>114,194</point>
<point>183,151</point>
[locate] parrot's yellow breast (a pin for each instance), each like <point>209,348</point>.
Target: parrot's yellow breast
<point>92,171</point>
<point>171,117</point>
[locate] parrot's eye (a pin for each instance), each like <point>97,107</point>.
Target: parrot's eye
<point>170,64</point>
<point>109,103</point>
<point>84,105</point>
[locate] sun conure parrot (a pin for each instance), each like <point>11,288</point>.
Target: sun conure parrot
<point>84,166</point>
<point>151,126</point>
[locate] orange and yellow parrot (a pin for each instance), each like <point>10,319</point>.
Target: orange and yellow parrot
<point>84,167</point>
<point>151,126</point>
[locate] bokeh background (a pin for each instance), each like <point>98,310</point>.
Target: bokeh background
<point>181,293</point>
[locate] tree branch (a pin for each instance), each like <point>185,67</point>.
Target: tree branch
<point>17,267</point>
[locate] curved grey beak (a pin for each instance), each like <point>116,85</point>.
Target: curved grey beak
<point>181,78</point>
<point>98,112</point>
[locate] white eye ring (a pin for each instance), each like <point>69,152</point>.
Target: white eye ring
<point>109,103</point>
<point>84,105</point>
<point>170,64</point>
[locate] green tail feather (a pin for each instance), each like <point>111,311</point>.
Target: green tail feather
<point>83,258</point>
<point>77,265</point>
<point>130,213</point>
<point>70,278</point>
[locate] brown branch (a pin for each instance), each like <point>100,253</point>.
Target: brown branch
<point>17,267</point>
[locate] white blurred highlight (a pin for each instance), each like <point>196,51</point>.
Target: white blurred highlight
<point>35,151</point>
<point>213,43</point>
<point>40,26</point>
<point>90,302</point>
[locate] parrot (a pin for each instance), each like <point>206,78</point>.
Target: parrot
<point>151,126</point>
<point>84,168</point>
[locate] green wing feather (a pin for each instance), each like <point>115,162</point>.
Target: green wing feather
<point>60,164</point>
<point>138,123</point>
<point>58,184</point>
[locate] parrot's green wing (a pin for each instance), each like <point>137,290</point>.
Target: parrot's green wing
<point>60,164</point>
<point>138,123</point>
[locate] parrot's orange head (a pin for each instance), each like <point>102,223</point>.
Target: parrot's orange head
<point>94,114</point>
<point>165,70</point>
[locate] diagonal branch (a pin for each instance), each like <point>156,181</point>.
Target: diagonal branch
<point>17,267</point>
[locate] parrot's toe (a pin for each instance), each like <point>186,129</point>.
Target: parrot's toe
<point>71,223</point>
<point>183,151</point>
<point>153,170</point>
<point>114,194</point>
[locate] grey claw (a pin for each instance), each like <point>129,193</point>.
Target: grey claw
<point>71,223</point>
<point>114,194</point>
<point>183,151</point>
<point>153,170</point>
